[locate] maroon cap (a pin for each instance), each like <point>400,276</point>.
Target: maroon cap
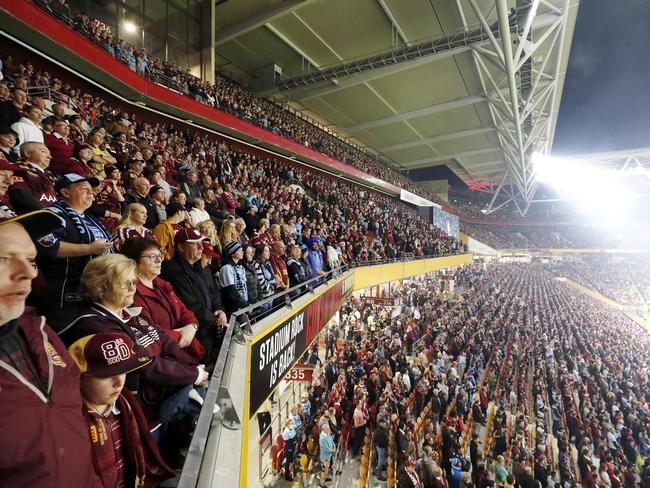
<point>188,235</point>
<point>106,354</point>
<point>208,250</point>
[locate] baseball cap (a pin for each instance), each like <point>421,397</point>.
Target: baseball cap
<point>188,235</point>
<point>37,223</point>
<point>72,178</point>
<point>107,354</point>
<point>208,250</point>
<point>154,189</point>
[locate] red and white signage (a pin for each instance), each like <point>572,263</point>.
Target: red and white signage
<point>300,372</point>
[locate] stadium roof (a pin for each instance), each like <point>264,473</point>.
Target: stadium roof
<point>421,82</point>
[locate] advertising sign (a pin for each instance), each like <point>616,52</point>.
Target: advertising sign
<point>409,197</point>
<point>273,354</point>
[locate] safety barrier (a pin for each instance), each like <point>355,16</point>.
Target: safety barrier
<point>237,341</point>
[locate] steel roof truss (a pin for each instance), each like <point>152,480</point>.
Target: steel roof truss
<point>523,116</point>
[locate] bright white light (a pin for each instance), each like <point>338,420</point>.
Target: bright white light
<point>129,27</point>
<point>595,190</point>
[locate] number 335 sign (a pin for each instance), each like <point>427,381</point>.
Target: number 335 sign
<point>300,372</point>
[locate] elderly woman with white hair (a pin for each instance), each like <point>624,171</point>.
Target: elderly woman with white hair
<point>165,386</point>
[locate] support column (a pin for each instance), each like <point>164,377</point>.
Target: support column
<point>208,17</point>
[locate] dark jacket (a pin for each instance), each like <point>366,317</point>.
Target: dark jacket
<point>381,437</point>
<point>183,277</point>
<point>44,439</point>
<point>63,275</point>
<point>254,291</point>
<point>297,272</point>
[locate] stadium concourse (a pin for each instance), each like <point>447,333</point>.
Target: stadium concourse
<point>199,286</point>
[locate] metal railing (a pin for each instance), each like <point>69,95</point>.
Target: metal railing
<point>55,96</point>
<point>239,327</point>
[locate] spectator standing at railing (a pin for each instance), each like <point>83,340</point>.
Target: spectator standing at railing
<point>232,278</point>
<point>142,62</point>
<point>315,258</point>
<point>279,266</point>
<point>264,273</point>
<point>28,127</point>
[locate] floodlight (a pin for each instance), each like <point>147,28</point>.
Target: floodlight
<point>129,27</point>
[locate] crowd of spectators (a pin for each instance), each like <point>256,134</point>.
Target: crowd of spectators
<point>624,279</point>
<point>567,236</point>
<point>454,393</point>
<point>144,240</point>
<point>134,242</point>
<point>228,95</point>
<point>546,212</point>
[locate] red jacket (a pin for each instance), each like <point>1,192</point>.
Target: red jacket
<point>171,366</point>
<point>44,440</point>
<point>162,307</point>
<point>61,151</point>
<point>138,447</point>
<point>38,182</point>
<point>279,268</point>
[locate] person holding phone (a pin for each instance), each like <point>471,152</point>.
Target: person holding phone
<point>63,254</point>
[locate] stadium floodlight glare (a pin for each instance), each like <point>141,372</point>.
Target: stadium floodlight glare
<point>129,27</point>
<point>595,190</point>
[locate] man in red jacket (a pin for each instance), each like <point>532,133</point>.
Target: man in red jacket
<point>61,148</point>
<point>44,441</point>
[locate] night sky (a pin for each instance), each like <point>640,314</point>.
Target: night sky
<point>606,99</point>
